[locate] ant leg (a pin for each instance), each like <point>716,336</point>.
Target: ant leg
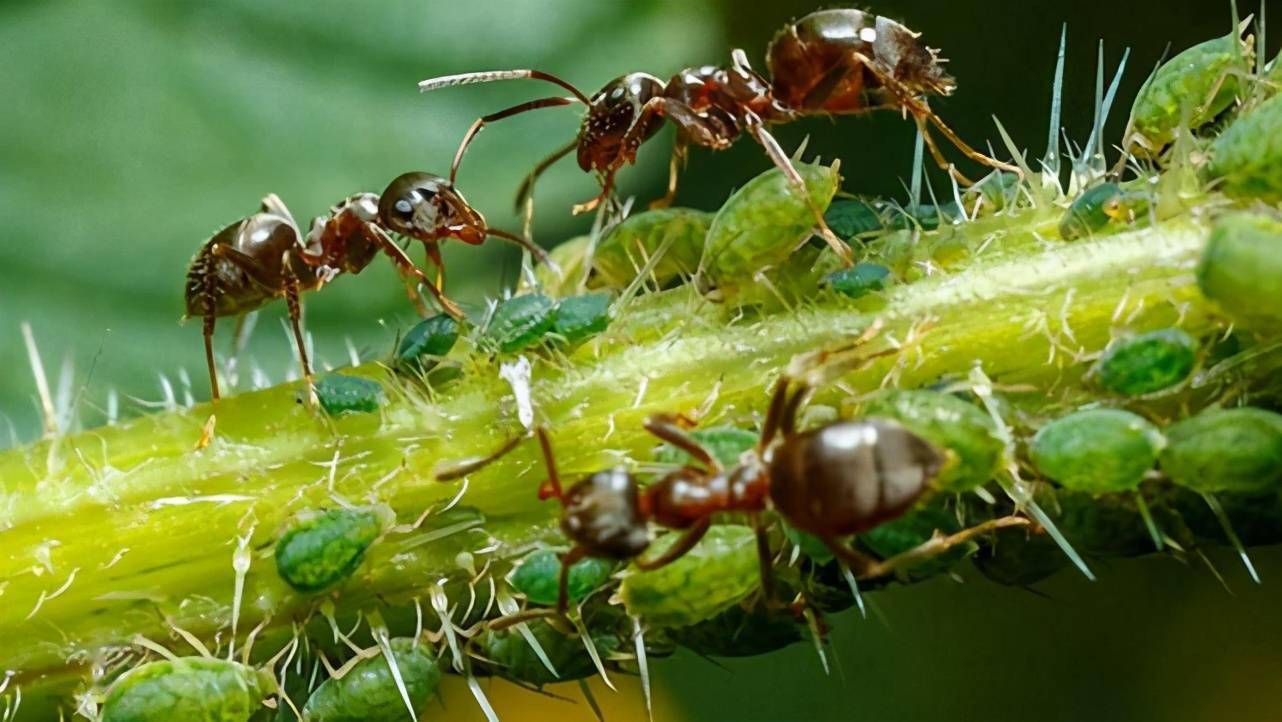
<point>607,187</point>
<point>481,122</point>
<point>937,545</point>
<point>536,251</point>
<point>679,549</point>
<point>778,402</point>
<point>666,427</point>
<point>433,252</point>
<point>375,235</point>
<point>552,487</point>
<point>765,557</point>
<point>525,193</point>
<point>758,131</point>
<point>453,471</point>
<point>943,163</point>
<point>295,320</point>
<point>209,320</point>
<point>855,561</point>
<point>674,171</point>
<point>568,560</point>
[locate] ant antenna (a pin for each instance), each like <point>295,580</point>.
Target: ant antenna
<point>487,76</point>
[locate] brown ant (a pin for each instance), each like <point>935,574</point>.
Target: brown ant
<point>264,256</point>
<point>829,62</point>
<point>834,481</point>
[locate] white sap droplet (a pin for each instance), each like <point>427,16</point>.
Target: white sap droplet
<point>517,374</point>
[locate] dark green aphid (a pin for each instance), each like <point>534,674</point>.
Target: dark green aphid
<point>925,216</point>
<point>507,654</point>
<point>324,549</point>
<point>994,192</point>
<point>763,223</point>
<point>195,689</point>
<point>1233,450</point>
<point>1020,556</point>
<point>1241,268</point>
<point>1147,363</point>
<point>1255,518</point>
<point>629,246</point>
<point>368,692</point>
<point>1093,210</point>
<point>853,217</point>
<point>726,443</point>
<point>581,317</point>
<point>340,394</point>
<point>916,528</point>
<point>538,577</point>
<point>1096,450</point>
<point>1247,157</point>
<point>719,572</point>
<point>1191,88</point>
<point>859,280</point>
<point>811,546</point>
<point>739,632</point>
<point>425,344</point>
<point>1110,525</point>
<point>521,321</point>
<point>949,423</point>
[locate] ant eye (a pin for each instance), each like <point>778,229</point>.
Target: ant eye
<point>404,207</point>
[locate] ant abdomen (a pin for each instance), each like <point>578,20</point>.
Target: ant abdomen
<point>850,476</point>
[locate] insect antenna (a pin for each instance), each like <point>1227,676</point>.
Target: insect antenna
<point>489,76</point>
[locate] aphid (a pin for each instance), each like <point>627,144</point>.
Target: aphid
<point>761,224</point>
<point>369,691</point>
<point>950,423</point>
<point>1019,557</point>
<point>853,217</point>
<point>188,688</point>
<point>323,549</point>
<point>1233,450</point>
<point>1147,363</point>
<point>1190,89</point>
<point>581,317</point>
<point>1246,157</point>
<point>911,531</point>
<point>521,321</point>
<point>739,632</point>
<point>1093,210</point>
<point>997,191</point>
<point>427,342</point>
<point>342,394</point>
<point>828,62</point>
<point>709,577</point>
<point>1241,269</point>
<point>678,233</point>
<point>538,576</point>
<point>1097,450</point>
<point>506,653</point>
<point>858,281</point>
<point>569,259</point>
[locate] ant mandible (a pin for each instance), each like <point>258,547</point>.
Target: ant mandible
<point>264,257</point>
<point>831,62</point>
<point>833,481</point>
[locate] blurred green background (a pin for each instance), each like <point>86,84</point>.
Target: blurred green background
<point>133,130</point>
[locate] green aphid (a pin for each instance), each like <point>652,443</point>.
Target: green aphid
<point>725,443</point>
<point>1148,363</point>
<point>1093,210</point>
<point>322,550</point>
<point>427,342</point>
<point>1255,518</point>
<point>1232,450</point>
<point>853,217</point>
<point>538,577</point>
<point>1097,450</point>
<point>925,216</point>
<point>764,222</point>
<point>1241,268</point>
<point>859,280</point>
<point>1247,157</point>
<point>1191,88</point>
<point>947,422</point>
<point>192,689</point>
<point>739,632</point>
<point>369,693</point>
<point>569,257</point>
<point>916,528</point>
<point>994,192</point>
<point>581,317</point>
<point>507,654</point>
<point>811,546</point>
<point>1101,525</point>
<point>1020,556</point>
<point>629,246</point>
<point>521,321</point>
<point>340,394</point>
<point>721,571</point>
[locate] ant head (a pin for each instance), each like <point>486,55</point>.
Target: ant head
<point>912,63</point>
<point>612,112</point>
<point>603,514</point>
<point>427,207</point>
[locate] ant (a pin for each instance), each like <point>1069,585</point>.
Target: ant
<point>833,481</point>
<point>264,256</point>
<point>830,62</point>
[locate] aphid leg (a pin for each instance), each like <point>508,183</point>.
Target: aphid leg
<point>938,545</point>
<point>674,173</point>
<point>295,321</point>
<point>500,115</point>
<point>536,251</point>
<point>667,428</point>
<point>758,131</point>
<point>683,545</point>
<point>375,235</point>
<point>453,471</point>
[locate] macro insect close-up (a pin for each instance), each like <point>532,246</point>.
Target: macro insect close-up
<point>903,361</point>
